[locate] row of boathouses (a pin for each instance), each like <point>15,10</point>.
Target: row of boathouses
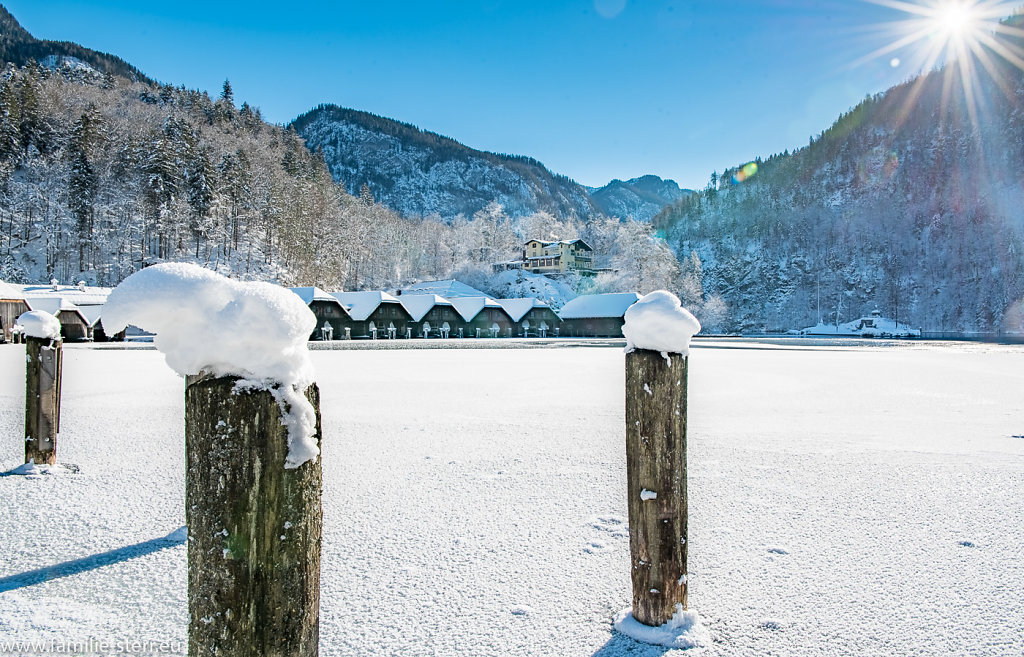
<point>415,314</point>
<point>435,309</point>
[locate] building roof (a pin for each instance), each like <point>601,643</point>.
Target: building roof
<point>578,242</point>
<point>84,295</point>
<point>418,305</point>
<point>311,294</point>
<point>11,292</point>
<point>360,305</point>
<point>517,308</point>
<point>598,306</point>
<point>55,305</point>
<point>470,307</point>
<point>449,289</point>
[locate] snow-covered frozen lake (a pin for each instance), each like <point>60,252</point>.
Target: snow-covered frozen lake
<point>844,500</point>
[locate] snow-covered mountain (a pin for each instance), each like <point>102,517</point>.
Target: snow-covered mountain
<point>640,198</point>
<point>421,173</point>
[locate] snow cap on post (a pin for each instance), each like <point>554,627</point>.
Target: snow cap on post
<point>205,322</point>
<point>658,322</point>
<point>38,324</point>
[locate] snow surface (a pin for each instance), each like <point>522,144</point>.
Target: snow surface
<point>683,630</point>
<point>474,508</point>
<point>659,322</point>
<point>38,324</point>
<point>598,305</point>
<point>205,322</point>
<point>10,293</point>
<point>449,289</point>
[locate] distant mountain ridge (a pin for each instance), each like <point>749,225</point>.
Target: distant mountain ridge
<point>640,198</point>
<point>18,47</point>
<point>417,172</point>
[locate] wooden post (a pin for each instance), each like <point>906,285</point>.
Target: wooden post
<point>656,482</point>
<point>42,399</point>
<point>254,526</point>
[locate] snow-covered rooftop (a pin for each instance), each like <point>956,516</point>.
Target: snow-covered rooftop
<point>54,305</point>
<point>84,295</point>
<point>311,294</point>
<point>10,292</point>
<point>470,307</point>
<point>516,308</point>
<point>448,289</point>
<point>360,305</point>
<point>598,305</point>
<point>418,305</point>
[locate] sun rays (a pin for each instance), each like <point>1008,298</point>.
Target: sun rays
<point>963,36</point>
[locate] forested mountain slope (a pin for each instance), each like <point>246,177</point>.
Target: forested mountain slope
<point>910,203</point>
<point>419,173</point>
<point>19,47</point>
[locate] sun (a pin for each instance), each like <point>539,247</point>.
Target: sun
<point>955,19</point>
<point>936,32</point>
<point>965,38</point>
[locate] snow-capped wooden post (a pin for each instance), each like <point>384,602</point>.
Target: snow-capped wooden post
<point>254,525</point>
<point>43,360</point>
<point>252,439</point>
<point>658,333</point>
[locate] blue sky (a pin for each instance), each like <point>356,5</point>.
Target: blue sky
<point>594,89</point>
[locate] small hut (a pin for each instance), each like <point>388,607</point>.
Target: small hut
<point>374,315</point>
<point>596,315</point>
<point>531,317</point>
<point>433,316</point>
<point>12,306</point>
<point>74,325</point>
<point>479,315</point>
<point>331,317</point>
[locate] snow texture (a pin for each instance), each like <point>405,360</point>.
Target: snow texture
<point>595,306</point>
<point>450,289</point>
<point>658,322</point>
<point>204,322</point>
<point>39,324</point>
<point>683,630</point>
<point>870,464</point>
<point>647,495</point>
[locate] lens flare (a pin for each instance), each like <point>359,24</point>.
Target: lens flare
<point>745,172</point>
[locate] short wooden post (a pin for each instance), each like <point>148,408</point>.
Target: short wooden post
<point>656,482</point>
<point>254,526</point>
<point>42,399</point>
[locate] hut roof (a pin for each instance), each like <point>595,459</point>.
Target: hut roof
<point>85,295</point>
<point>470,307</point>
<point>311,294</point>
<point>57,305</point>
<point>418,305</point>
<point>448,289</point>
<point>516,308</point>
<point>11,292</point>
<point>594,306</point>
<point>360,305</point>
